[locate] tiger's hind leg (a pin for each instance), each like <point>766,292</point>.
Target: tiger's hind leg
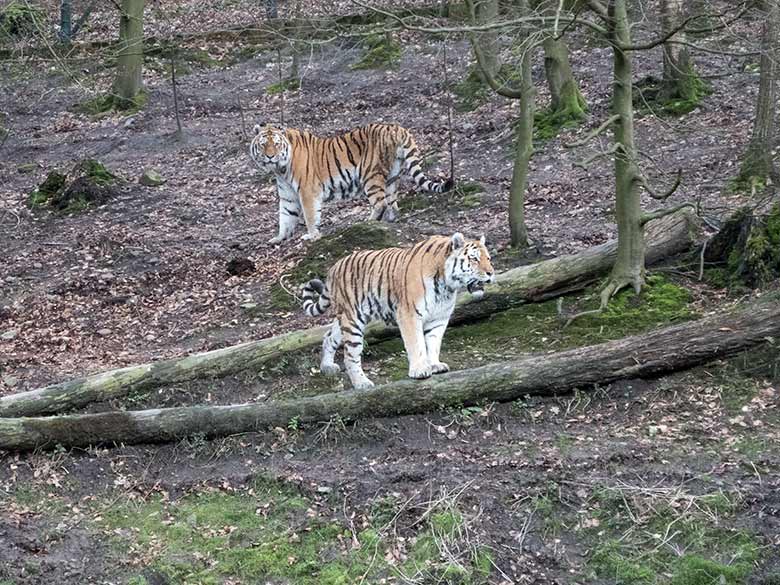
<point>352,334</point>
<point>375,189</point>
<point>330,346</point>
<point>391,194</point>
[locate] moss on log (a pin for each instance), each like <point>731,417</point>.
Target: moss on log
<point>658,352</point>
<point>537,282</point>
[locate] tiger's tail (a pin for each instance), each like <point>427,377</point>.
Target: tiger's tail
<point>414,170</point>
<point>315,298</point>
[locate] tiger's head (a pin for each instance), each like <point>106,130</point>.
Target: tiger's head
<point>468,265</point>
<point>270,148</point>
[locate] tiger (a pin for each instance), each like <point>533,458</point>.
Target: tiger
<point>311,170</point>
<point>415,288</point>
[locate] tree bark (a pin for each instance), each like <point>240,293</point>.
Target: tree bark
<point>757,162</point>
<point>128,80</point>
<point>524,150</point>
<point>537,282</point>
<point>679,76</point>
<point>66,11</point>
<point>486,11</point>
<point>629,268</point>
<point>565,97</point>
<point>655,353</point>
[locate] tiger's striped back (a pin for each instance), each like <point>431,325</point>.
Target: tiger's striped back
<point>311,170</point>
<point>414,288</point>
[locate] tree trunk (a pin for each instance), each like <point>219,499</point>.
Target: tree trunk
<point>537,282</point>
<point>486,11</point>
<point>271,9</point>
<point>658,352</point>
<point>565,98</point>
<point>757,163</point>
<point>680,81</point>
<point>629,268</point>
<point>524,149</point>
<point>66,10</point>
<point>128,82</point>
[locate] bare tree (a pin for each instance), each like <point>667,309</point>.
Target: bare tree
<point>525,93</point>
<point>566,101</point>
<point>128,81</point>
<point>757,163</point>
<point>680,81</point>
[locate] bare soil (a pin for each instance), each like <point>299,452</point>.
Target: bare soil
<point>146,276</point>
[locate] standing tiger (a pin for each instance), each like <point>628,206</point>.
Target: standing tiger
<point>413,287</point>
<point>310,170</point>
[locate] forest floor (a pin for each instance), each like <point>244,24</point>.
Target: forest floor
<point>670,480</point>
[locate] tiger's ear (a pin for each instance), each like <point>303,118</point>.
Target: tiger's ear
<point>257,129</point>
<point>458,241</point>
<point>482,239</point>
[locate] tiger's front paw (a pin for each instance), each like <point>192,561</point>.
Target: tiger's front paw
<point>276,240</point>
<point>364,384</point>
<point>421,373</point>
<point>390,215</point>
<point>440,368</point>
<point>330,369</point>
<point>311,236</point>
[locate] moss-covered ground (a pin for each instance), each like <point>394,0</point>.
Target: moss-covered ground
<point>88,183</point>
<point>530,328</point>
<point>382,51</point>
<point>268,531</point>
<point>323,253</point>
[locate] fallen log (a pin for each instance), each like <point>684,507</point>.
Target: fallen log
<point>658,352</point>
<point>536,282</point>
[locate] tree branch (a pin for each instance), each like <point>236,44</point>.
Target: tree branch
<point>682,28</point>
<point>611,150</point>
<point>663,212</point>
<point>662,197</point>
<point>539,19</point>
<point>590,136</point>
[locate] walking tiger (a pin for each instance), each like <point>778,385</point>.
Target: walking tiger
<point>311,170</point>
<point>415,288</point>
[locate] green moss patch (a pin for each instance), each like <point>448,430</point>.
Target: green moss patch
<point>548,123</point>
<point>104,104</point>
<point>382,52</point>
<point>323,253</point>
<point>713,553</point>
<point>291,84</point>
<point>650,98</point>
<point>746,251</point>
<point>21,19</point>
<point>269,532</point>
<point>537,327</point>
<point>88,183</point>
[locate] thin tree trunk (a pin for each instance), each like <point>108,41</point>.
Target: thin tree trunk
<point>271,9</point>
<point>666,237</point>
<point>66,11</point>
<point>486,11</point>
<point>524,149</point>
<point>128,81</point>
<point>179,133</point>
<point>665,350</point>
<point>679,81</point>
<point>757,162</point>
<point>629,268</point>
<point>565,97</point>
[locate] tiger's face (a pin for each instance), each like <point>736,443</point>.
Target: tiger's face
<point>270,148</point>
<point>468,265</point>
